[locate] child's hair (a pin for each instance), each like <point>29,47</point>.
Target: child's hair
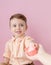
<point>18,16</point>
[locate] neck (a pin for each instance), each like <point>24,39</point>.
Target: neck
<point>19,36</point>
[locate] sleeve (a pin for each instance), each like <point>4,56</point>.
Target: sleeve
<point>7,51</point>
<point>31,48</point>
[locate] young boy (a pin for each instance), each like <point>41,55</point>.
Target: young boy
<point>19,44</point>
<point>22,49</point>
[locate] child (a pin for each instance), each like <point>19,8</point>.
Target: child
<point>17,46</point>
<point>22,49</point>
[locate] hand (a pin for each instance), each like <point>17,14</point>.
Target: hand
<point>36,56</point>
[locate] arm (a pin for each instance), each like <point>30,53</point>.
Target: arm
<point>6,60</point>
<point>41,56</point>
<point>31,48</point>
<point>7,53</point>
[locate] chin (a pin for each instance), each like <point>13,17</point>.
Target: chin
<point>18,35</point>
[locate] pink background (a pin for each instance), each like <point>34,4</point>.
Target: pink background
<point>38,13</point>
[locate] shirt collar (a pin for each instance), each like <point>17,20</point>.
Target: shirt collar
<point>18,38</point>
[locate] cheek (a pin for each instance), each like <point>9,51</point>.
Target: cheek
<point>12,29</point>
<point>25,30</point>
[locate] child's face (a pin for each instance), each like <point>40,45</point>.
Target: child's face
<point>18,27</point>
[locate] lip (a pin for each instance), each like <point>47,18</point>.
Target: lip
<point>18,32</point>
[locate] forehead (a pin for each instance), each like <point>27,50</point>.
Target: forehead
<point>17,21</point>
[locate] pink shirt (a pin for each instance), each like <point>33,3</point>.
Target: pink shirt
<point>16,50</point>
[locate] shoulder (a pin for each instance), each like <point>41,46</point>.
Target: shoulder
<point>29,40</point>
<point>8,42</point>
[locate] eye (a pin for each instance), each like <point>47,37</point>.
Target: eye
<point>21,25</point>
<point>14,25</point>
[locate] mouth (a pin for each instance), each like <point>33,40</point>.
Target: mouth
<point>18,32</point>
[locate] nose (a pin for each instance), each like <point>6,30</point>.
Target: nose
<point>17,27</point>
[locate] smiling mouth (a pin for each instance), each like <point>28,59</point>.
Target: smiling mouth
<point>18,32</point>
